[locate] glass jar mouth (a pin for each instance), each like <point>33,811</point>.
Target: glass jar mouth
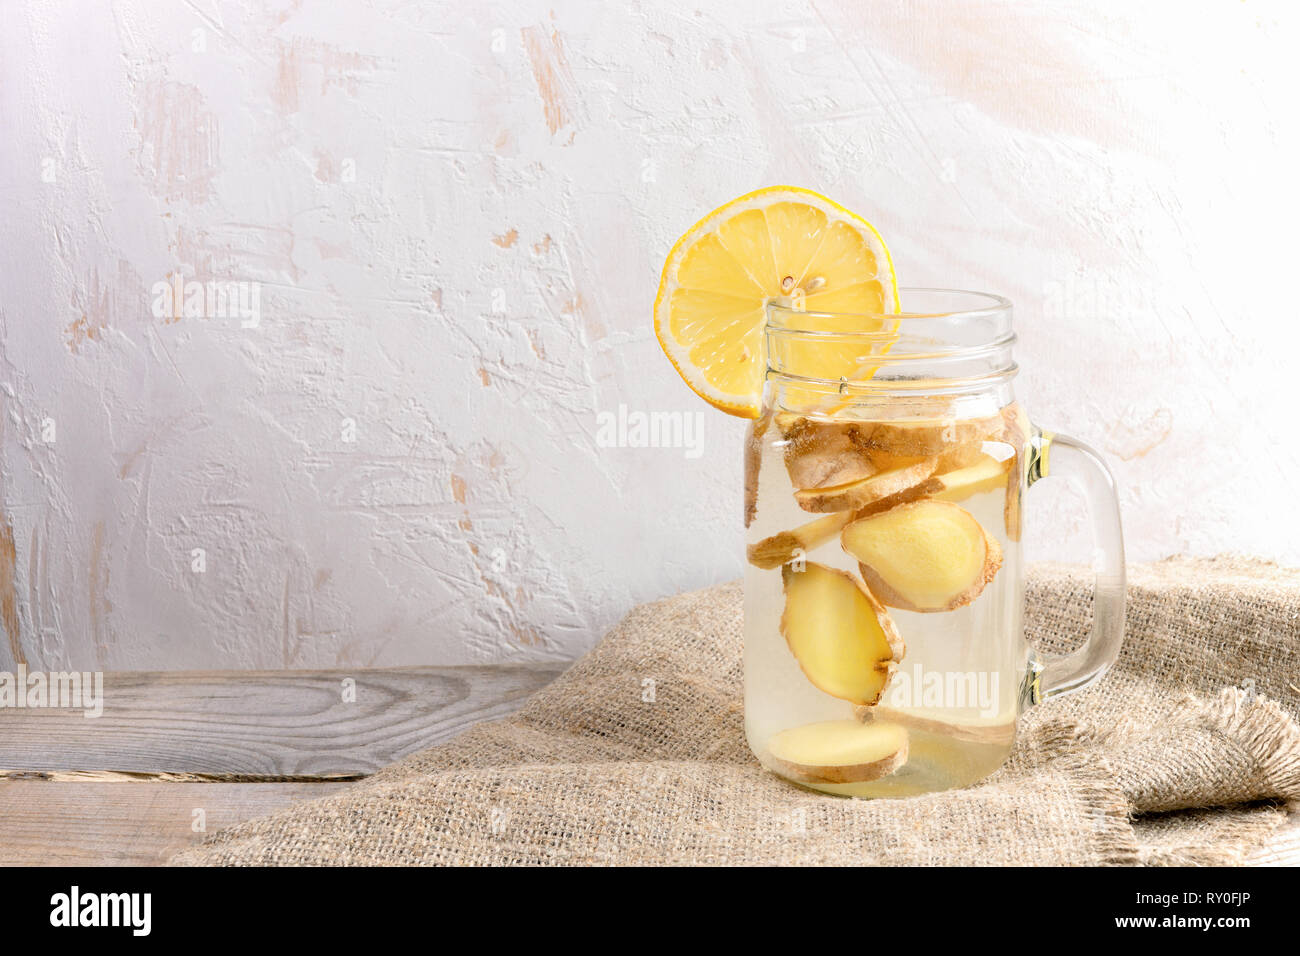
<point>924,311</point>
<point>940,340</point>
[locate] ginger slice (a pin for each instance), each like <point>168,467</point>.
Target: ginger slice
<point>954,485</point>
<point>1002,734</point>
<point>1017,432</point>
<point>843,638</point>
<point>961,456</point>
<point>855,495</point>
<point>923,489</point>
<point>888,461</point>
<point>787,545</point>
<point>823,454</point>
<point>986,474</point>
<point>754,458</point>
<point>949,459</point>
<point>1011,507</point>
<point>929,436</point>
<point>838,751</point>
<point>787,422</point>
<point>923,555</point>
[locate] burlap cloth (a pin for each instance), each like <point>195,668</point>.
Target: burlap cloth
<point>1184,754</point>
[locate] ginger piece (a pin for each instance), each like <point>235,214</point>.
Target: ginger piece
<point>960,456</point>
<point>838,751</point>
<point>843,638</point>
<point>950,458</point>
<point>753,459</point>
<point>1016,432</point>
<point>901,482</point>
<point>823,454</point>
<point>954,485</point>
<point>959,474</point>
<point>923,489</point>
<point>787,545</point>
<point>1016,425</point>
<point>923,555</point>
<point>1001,734</point>
<point>1011,507</point>
<point>986,474</point>
<point>786,422</point>
<point>929,436</point>
<point>888,461</point>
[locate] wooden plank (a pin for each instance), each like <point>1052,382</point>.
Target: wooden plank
<point>264,725</point>
<point>128,824</point>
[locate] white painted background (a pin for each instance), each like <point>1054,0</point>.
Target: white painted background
<point>455,215</point>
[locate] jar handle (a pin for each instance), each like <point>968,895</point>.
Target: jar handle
<point>1049,454</point>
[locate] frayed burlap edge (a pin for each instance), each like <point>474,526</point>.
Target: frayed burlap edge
<point>1265,730</point>
<point>1116,839</point>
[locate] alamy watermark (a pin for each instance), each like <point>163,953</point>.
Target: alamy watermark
<point>74,908</point>
<point>917,687</point>
<point>636,429</point>
<point>177,298</point>
<point>1076,298</point>
<point>68,690</point>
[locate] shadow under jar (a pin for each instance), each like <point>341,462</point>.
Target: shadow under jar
<point>884,648</point>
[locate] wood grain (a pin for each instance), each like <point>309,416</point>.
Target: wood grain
<point>122,788</point>
<point>127,824</point>
<point>264,726</point>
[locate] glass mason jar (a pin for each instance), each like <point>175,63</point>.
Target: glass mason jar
<point>884,648</point>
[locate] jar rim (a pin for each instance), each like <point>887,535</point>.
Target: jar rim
<point>969,307</point>
<point>944,339</point>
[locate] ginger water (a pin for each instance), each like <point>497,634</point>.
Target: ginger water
<point>883,637</point>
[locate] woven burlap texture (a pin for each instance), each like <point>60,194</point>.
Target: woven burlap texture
<point>1184,754</point>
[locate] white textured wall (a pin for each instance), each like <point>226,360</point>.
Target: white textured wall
<point>454,215</point>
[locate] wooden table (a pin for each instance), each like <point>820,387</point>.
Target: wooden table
<point>176,756</point>
<point>128,786</point>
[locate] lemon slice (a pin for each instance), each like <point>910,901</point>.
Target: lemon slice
<point>780,244</point>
